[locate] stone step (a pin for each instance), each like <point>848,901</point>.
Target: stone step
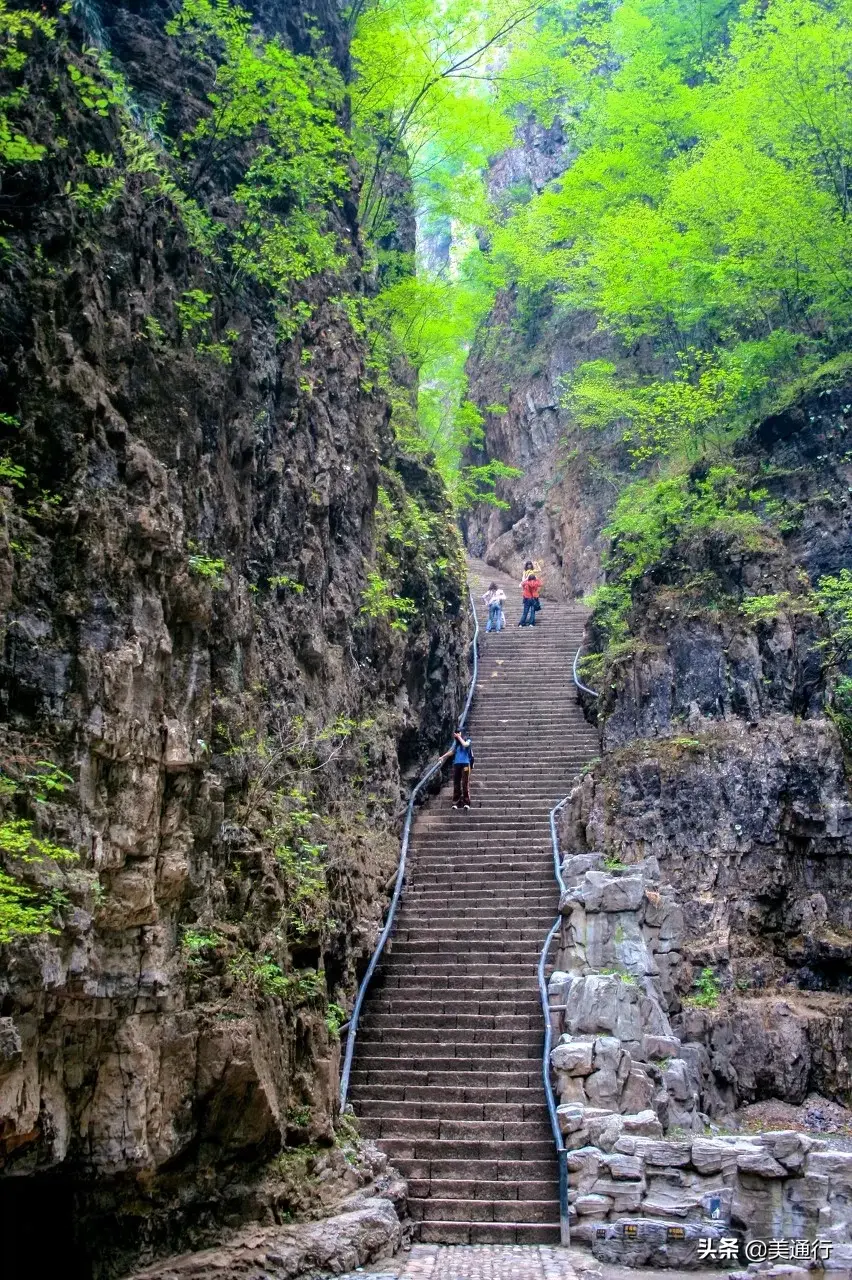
<point>438,904</point>
<point>443,1109</point>
<point>433,1209</point>
<point>399,1074</point>
<point>504,1233</point>
<point>396,1003</point>
<point>429,1148</point>
<point>468,1189</point>
<point>454,932</point>
<point>457,1050</point>
<point>440,1129</point>
<point>506,871</point>
<point>446,1041</point>
<point>448,1096</point>
<point>461,958</point>
<point>383,1057</point>
<point>439,970</point>
<point>518,1172</point>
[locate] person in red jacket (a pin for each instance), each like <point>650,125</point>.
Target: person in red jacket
<point>530,588</point>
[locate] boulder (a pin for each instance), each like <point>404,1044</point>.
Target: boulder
<point>624,1197</point>
<point>713,1155</point>
<point>658,1048</point>
<point>604,1003</point>
<point>603,892</point>
<point>757,1160</point>
<point>638,1092</point>
<point>593,1205</point>
<point>624,1167</point>
<point>643,1125</point>
<point>664,1153</point>
<point>570,1117</point>
<point>574,1057</point>
<point>667,1199</point>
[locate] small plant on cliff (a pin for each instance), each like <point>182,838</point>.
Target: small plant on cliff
<point>25,911</point>
<point>195,942</point>
<point>652,517</point>
<point>15,26</point>
<point>833,596</point>
<point>210,570</point>
<point>613,863</point>
<point>11,473</point>
<point>378,601</point>
<point>764,608</point>
<point>18,839</point>
<point>283,582</point>
<point>334,1020</point>
<point>708,990</point>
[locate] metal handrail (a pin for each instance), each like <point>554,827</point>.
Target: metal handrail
<point>578,682</point>
<point>561,1152</point>
<point>352,1024</point>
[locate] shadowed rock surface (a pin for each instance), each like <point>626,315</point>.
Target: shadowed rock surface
<point>181,582</point>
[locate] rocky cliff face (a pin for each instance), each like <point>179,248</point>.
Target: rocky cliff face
<point>725,766</point>
<point>197,702</point>
<point>557,507</point>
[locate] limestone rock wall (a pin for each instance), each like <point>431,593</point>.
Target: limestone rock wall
<point>181,583</point>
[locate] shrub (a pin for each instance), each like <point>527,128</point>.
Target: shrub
<point>707,986</point>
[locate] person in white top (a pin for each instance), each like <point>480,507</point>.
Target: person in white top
<point>494,598</point>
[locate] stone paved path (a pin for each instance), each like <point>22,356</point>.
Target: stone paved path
<point>507,1262</point>
<point>480,1262</point>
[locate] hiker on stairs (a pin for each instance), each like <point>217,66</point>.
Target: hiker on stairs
<point>530,587</point>
<point>494,598</point>
<point>462,753</point>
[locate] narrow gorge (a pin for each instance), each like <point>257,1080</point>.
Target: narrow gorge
<point>315,323</point>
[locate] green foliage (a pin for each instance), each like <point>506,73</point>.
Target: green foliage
<point>11,473</point>
<point>305,883</point>
<point>833,596</point>
<point>24,911</point>
<point>196,944</point>
<point>613,863</point>
<point>334,1020</point>
<point>653,516</point>
<point>708,991</point>
<point>706,207</point>
<point>211,570</point>
<point>422,115</point>
<point>416,103</point>
<point>194,311</point>
<point>17,26</point>
<point>285,583</point>
<point>264,977</point>
<point>379,602</point>
<point>46,779</point>
<point>18,838</point>
<point>280,108</point>
<point>841,711</point>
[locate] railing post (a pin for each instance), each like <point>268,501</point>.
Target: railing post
<point>564,1221</point>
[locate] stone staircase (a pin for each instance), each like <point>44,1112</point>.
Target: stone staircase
<point>447,1073</point>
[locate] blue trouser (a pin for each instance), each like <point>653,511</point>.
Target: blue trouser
<point>493,624</point>
<point>528,616</point>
